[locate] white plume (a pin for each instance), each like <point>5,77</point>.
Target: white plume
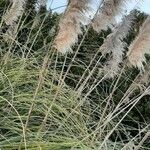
<point>114,43</point>
<point>70,25</point>
<point>15,12</point>
<point>42,3</point>
<point>107,13</point>
<point>140,46</point>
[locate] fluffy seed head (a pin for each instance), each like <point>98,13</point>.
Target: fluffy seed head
<point>70,25</point>
<point>107,13</point>
<point>114,43</point>
<point>42,3</point>
<point>140,46</point>
<point>15,12</point>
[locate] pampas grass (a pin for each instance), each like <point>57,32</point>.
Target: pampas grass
<point>140,46</point>
<point>107,13</point>
<point>70,25</point>
<point>42,3</point>
<point>114,43</point>
<point>11,17</point>
<point>14,12</point>
<point>41,109</point>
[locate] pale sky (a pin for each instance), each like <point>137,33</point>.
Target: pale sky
<point>143,5</point>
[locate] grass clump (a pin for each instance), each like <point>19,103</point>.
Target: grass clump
<point>54,102</point>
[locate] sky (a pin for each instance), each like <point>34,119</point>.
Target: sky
<point>143,5</point>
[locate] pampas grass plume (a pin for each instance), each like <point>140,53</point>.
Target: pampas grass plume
<point>70,25</point>
<point>140,46</point>
<point>107,13</point>
<point>14,13</point>
<point>42,3</point>
<point>114,43</point>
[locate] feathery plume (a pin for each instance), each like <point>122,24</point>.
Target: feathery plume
<point>42,3</point>
<point>70,25</point>
<point>107,13</point>
<point>10,33</point>
<point>15,12</point>
<point>114,43</point>
<point>140,46</point>
<point>144,79</point>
